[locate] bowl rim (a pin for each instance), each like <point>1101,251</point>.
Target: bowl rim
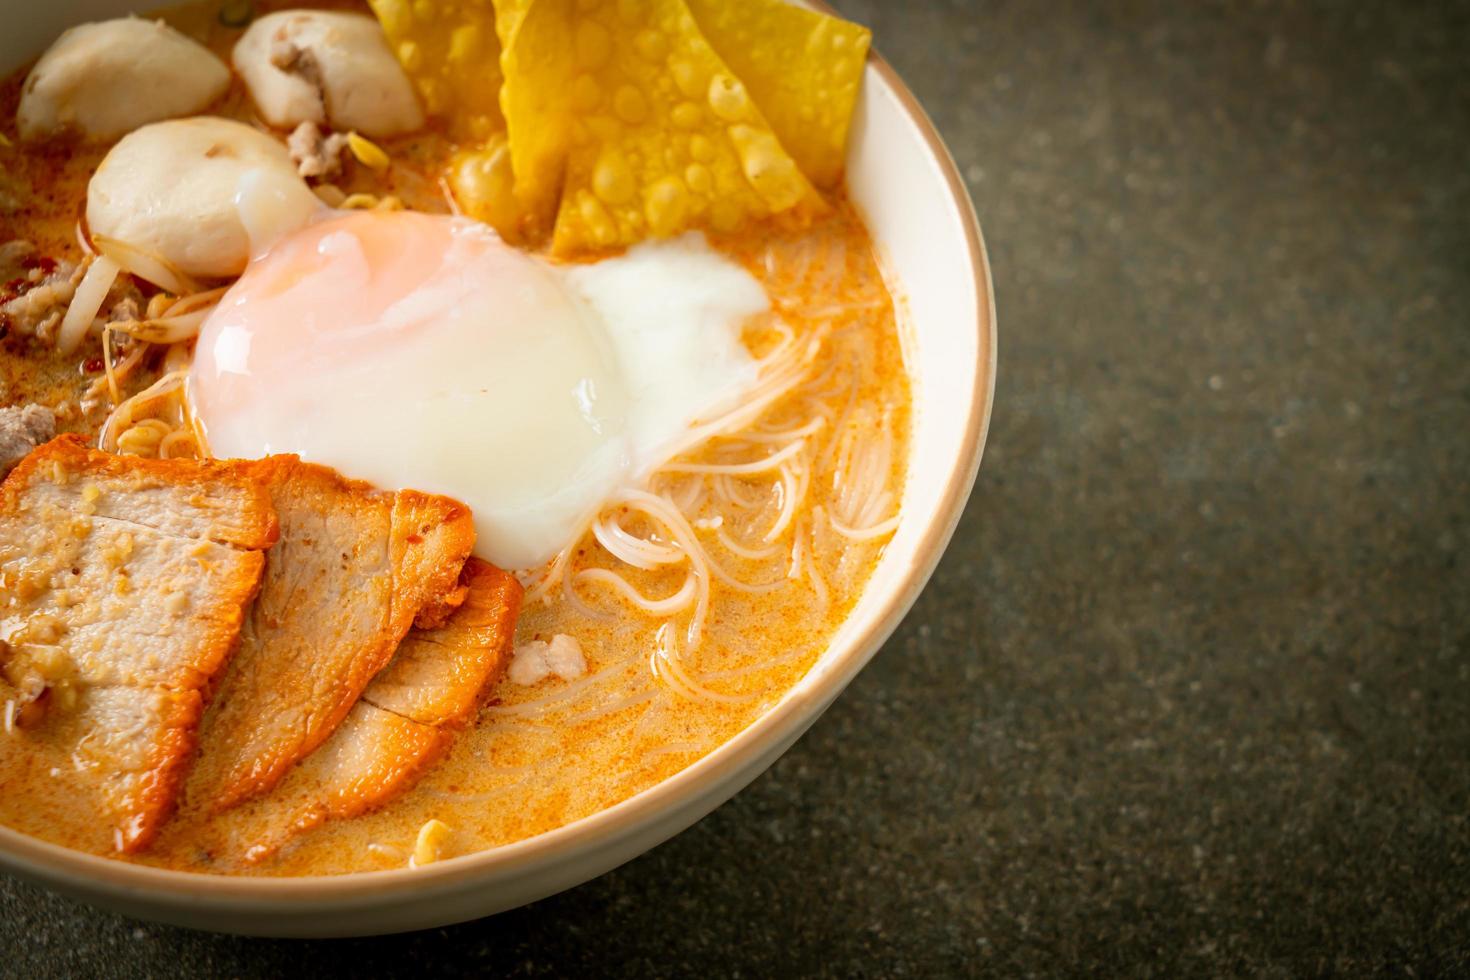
<point>49,863</point>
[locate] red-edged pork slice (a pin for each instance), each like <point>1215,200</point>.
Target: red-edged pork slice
<point>407,717</point>
<point>123,588</point>
<point>353,569</point>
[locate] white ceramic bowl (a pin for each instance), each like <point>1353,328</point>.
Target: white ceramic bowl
<point>916,208</point>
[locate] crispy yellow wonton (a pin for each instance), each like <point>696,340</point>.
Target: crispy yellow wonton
<point>803,69</point>
<point>630,119</point>
<point>451,52</point>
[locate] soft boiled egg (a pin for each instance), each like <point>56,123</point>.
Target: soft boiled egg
<point>416,350</point>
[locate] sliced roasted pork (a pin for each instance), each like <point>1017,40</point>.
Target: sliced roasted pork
<point>123,586</point>
<point>439,676</point>
<point>408,715</point>
<point>353,570</point>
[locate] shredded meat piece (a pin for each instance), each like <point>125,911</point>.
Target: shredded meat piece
<point>284,52</point>
<point>124,302</point>
<point>315,153</point>
<point>127,307</point>
<point>34,290</point>
<point>22,429</point>
<point>290,57</point>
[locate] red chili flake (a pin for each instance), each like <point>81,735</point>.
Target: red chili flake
<point>14,286</point>
<point>45,263</point>
<point>92,365</point>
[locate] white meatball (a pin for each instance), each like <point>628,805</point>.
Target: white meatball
<point>105,79</point>
<point>201,193</point>
<point>327,68</point>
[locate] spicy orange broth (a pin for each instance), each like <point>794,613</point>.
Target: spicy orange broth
<point>519,771</point>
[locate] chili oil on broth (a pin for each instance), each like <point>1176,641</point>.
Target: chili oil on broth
<point>48,183</point>
<point>544,756</point>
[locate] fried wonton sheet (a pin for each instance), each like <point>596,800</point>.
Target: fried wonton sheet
<point>657,133</point>
<point>450,51</point>
<point>633,120</point>
<point>803,68</point>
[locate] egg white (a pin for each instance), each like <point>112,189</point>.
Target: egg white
<point>416,350</point>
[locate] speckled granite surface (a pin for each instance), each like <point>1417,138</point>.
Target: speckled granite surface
<point>1191,691</point>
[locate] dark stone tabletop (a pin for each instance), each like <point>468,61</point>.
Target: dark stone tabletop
<point>1190,692</point>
